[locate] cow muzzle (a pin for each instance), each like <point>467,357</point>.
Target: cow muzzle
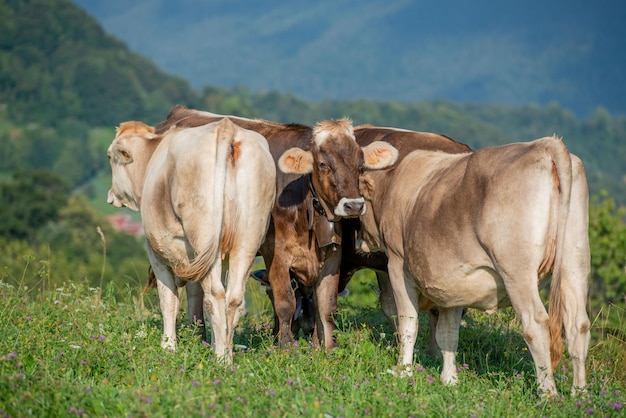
<point>350,208</point>
<point>112,200</point>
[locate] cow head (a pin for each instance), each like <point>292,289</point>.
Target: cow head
<point>129,154</point>
<point>335,162</point>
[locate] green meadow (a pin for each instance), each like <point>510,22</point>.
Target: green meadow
<point>76,350</point>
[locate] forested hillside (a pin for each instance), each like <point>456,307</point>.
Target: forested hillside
<point>56,63</point>
<point>65,84</point>
<point>490,51</point>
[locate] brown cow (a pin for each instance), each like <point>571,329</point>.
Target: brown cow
<point>298,244</point>
<point>482,229</point>
<point>205,194</point>
<point>353,258</point>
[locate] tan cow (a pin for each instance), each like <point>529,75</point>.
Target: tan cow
<point>308,204</point>
<point>204,194</point>
<point>482,229</point>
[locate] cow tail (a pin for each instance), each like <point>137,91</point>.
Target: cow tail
<point>206,256</point>
<point>562,173</point>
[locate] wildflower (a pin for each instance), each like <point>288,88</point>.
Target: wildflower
<point>420,369</point>
<point>217,381</point>
<point>616,405</point>
<point>195,383</point>
<point>88,389</point>
<point>289,382</point>
<point>602,392</point>
<point>12,355</point>
<point>430,379</point>
<point>270,392</point>
<point>146,399</point>
<point>579,403</point>
<point>367,412</point>
<point>28,318</point>
<point>589,411</point>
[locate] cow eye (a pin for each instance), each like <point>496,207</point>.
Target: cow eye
<point>323,166</point>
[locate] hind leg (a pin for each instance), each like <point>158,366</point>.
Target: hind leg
<point>524,296</point>
<point>214,306</point>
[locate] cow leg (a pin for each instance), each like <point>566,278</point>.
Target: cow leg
<point>525,299</point>
<point>387,301</point>
<point>169,300</point>
<point>575,277</point>
<point>325,300</point>
<point>194,307</point>
<point>240,265</point>
<point>284,302</point>
<point>405,295</point>
<point>214,306</point>
<point>433,318</point>
<point>447,335</point>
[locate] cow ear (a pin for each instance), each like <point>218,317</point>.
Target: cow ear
<point>296,161</point>
<point>378,155</point>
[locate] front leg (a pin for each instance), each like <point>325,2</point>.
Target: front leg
<point>169,300</point>
<point>448,339</point>
<point>406,297</point>
<point>195,296</point>
<point>325,299</point>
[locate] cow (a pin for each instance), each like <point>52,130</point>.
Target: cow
<point>354,257</point>
<point>204,194</point>
<point>483,229</point>
<point>404,141</point>
<point>303,241</point>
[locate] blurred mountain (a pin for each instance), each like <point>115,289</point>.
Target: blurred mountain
<point>488,51</point>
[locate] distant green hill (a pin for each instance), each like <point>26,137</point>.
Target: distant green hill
<point>56,63</point>
<point>486,51</point>
<point>62,76</point>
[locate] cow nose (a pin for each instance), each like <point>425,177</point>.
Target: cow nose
<point>353,207</point>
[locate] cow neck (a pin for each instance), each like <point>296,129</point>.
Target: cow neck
<point>317,205</point>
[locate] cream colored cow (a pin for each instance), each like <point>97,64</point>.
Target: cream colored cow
<point>204,193</point>
<point>483,229</point>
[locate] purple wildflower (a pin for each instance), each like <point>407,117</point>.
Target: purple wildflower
<point>12,355</point>
<point>217,381</point>
<point>195,383</point>
<point>616,405</point>
<point>146,399</point>
<point>430,379</point>
<point>270,392</point>
<point>289,382</point>
<point>88,389</point>
<point>589,411</point>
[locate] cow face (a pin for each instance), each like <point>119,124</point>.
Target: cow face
<point>128,155</point>
<point>335,162</point>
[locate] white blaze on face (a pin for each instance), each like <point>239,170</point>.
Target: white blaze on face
<point>323,130</point>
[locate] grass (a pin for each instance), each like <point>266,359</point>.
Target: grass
<point>80,351</point>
